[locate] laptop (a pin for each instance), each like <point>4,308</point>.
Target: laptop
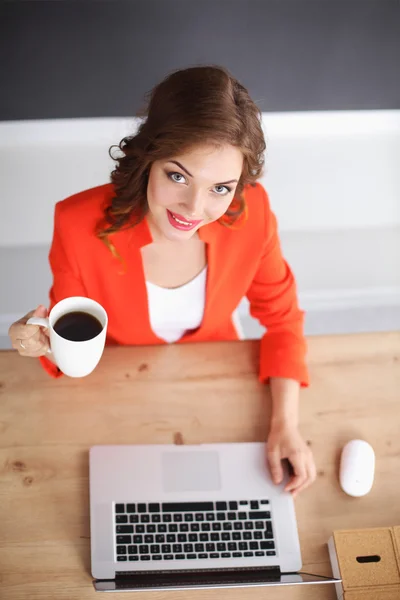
<point>190,516</point>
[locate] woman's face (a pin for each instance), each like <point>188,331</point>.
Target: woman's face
<point>192,189</point>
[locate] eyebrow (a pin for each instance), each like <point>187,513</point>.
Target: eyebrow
<point>190,175</point>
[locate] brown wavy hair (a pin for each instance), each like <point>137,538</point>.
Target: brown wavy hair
<point>197,105</point>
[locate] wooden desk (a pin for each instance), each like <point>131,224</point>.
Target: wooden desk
<point>190,394</point>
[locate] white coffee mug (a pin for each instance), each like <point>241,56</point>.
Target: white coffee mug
<point>75,359</point>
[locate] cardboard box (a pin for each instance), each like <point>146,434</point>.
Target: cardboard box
<point>368,563</point>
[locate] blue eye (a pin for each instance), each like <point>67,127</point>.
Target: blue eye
<point>223,187</point>
<point>172,175</point>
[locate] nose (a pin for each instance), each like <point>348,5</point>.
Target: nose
<point>194,206</point>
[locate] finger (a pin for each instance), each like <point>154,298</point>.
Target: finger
<point>275,465</point>
<point>24,331</point>
<point>300,472</point>
<point>310,479</point>
<point>32,345</point>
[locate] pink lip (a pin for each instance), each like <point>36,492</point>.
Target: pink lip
<point>179,225</point>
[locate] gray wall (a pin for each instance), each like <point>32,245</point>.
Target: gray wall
<point>65,58</point>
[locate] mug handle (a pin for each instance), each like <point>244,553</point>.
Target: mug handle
<point>42,322</point>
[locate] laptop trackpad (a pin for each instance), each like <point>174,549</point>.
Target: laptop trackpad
<point>191,471</point>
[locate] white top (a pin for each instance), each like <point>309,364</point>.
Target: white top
<point>173,311</point>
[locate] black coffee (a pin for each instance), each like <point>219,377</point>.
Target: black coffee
<point>78,326</point>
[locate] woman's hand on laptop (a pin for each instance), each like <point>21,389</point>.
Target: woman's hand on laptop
<point>286,441</point>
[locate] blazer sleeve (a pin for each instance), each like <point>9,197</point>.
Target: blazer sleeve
<point>273,301</point>
<point>66,278</point>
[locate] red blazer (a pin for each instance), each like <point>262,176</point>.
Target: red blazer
<point>243,261</point>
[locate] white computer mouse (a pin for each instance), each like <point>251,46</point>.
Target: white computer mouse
<point>357,468</point>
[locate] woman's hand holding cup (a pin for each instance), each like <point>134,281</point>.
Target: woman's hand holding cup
<point>30,340</point>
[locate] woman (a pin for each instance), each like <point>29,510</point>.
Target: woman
<point>178,237</point>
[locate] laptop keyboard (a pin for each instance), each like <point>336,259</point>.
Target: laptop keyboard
<point>193,530</point>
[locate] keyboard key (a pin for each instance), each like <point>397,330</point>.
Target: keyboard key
<point>124,528</point>
<point>138,539</point>
<point>268,526</point>
<point>204,537</point>
<point>210,517</point>
<point>233,505</point>
<point>177,518</point>
<point>177,548</point>
<point>193,537</point>
<point>221,547</point>
<point>260,515</point>
<point>168,557</point>
<point>271,553</point>
<point>221,506</point>
<point>188,548</point>
<point>151,528</point>
<point>199,517</point>
<point>132,550</point>
<point>248,525</point>
<point>236,535</point>
<point>267,545</point>
<point>232,546</point>
<point>191,556</point>
<point>264,501</point>
<point>237,554</point>
<point>195,527</point>
<point>257,535</point>
<point>199,547</point>
<point>121,549</point>
<point>259,524</point>
<point>121,518</point>
<point>254,505</point>
<point>139,529</point>
<point>243,546</point>
<point>187,506</point>
<point>120,508</point>
<point>267,535</point>
<point>247,535</point>
<point>131,508</point>
<point>155,549</point>
<point>205,527</point>
<point>182,537</point>
<point>214,555</point>
<point>145,557</point>
<point>243,502</point>
<point>216,526</point>
<point>260,553</point>
<point>173,528</point>
<point>133,518</point>
<point>133,558</point>
<point>143,549</point>
<point>184,527</point>
<point>162,528</point>
<point>171,538</point>
<point>154,508</point>
<point>167,518</point>
<point>227,526</point>
<point>214,537</point>
<point>148,539</point>
<point>160,539</point>
<point>141,508</point>
<point>221,516</point>
<point>231,516</point>
<point>156,518</point>
<point>225,537</point>
<point>166,549</point>
<point>242,516</point>
<point>210,547</point>
<point>124,539</point>
<point>121,558</point>
<point>156,557</point>
<point>145,519</point>
<point>248,554</point>
<point>226,555</point>
<point>203,555</point>
<point>189,517</point>
<point>238,526</point>
<point>179,556</point>
<point>253,545</point>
